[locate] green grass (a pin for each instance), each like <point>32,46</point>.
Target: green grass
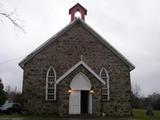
<point>139,114</point>
<point>27,117</point>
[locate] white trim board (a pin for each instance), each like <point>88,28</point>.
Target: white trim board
<point>75,66</point>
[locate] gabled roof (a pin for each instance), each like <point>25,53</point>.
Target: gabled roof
<point>53,38</point>
<point>77,65</point>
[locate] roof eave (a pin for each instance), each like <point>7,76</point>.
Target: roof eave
<point>36,51</point>
<point>51,39</point>
<point>107,44</point>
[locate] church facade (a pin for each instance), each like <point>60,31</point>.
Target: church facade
<point>76,71</point>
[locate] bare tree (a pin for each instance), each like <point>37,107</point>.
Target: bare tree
<point>8,89</point>
<point>12,17</point>
<point>13,95</point>
<point>136,90</point>
<point>136,96</point>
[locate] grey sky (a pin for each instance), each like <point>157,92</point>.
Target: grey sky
<point>131,26</point>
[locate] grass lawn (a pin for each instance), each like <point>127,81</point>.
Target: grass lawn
<point>138,114</point>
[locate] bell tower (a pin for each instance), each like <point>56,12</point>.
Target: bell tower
<point>77,8</point>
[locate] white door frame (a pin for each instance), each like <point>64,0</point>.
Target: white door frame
<point>78,83</point>
<point>90,103</point>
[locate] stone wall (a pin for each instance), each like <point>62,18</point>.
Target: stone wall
<point>64,53</point>
<point>120,98</point>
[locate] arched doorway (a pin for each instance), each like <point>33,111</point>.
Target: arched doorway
<point>80,99</point>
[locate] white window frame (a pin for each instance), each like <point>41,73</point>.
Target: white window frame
<point>107,82</point>
<point>46,97</point>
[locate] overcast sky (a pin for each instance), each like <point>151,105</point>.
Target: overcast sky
<point>131,26</point>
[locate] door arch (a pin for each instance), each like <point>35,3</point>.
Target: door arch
<point>80,82</point>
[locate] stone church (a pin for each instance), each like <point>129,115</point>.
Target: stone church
<point>76,71</point>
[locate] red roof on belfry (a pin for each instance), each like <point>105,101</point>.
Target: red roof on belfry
<point>77,6</point>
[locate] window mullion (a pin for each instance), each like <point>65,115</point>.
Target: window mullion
<point>50,85</point>
<point>105,92</point>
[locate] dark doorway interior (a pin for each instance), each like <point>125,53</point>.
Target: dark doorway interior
<point>84,101</point>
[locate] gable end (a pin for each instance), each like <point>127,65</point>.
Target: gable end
<point>87,27</point>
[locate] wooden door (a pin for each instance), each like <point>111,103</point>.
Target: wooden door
<point>74,102</point>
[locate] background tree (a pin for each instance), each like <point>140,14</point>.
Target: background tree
<point>136,99</point>
<point>154,100</point>
<point>136,90</point>
<point>3,95</point>
<point>139,101</point>
<point>13,95</point>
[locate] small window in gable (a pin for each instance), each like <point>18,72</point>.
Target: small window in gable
<point>105,88</point>
<point>51,84</point>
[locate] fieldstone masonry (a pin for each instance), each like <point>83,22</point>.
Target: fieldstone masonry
<point>63,53</point>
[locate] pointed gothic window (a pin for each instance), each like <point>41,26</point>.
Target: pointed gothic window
<point>51,84</point>
<point>105,88</point>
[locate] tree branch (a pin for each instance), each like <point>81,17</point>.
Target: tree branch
<point>12,20</point>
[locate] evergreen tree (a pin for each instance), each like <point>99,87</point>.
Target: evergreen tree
<point>3,95</point>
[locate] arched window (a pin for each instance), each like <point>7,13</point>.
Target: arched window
<point>105,88</point>
<point>51,84</point>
